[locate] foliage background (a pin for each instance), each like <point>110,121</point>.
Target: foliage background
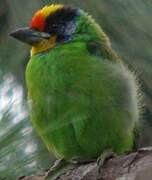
<point>129,26</point>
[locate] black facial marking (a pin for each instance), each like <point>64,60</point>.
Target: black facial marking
<point>58,22</point>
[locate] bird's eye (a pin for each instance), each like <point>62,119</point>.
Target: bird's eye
<point>54,26</point>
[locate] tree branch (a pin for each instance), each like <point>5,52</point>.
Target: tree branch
<point>130,166</point>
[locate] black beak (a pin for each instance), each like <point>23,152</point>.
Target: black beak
<point>30,36</point>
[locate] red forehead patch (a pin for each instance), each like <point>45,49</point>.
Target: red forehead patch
<point>38,22</point>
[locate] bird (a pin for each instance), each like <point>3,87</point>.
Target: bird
<point>83,100</point>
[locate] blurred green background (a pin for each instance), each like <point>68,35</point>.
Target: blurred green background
<point>127,23</point>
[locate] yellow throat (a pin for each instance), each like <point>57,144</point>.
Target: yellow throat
<point>43,46</point>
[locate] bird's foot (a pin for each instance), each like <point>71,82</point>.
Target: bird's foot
<point>82,161</point>
<point>106,155</point>
<point>59,167</point>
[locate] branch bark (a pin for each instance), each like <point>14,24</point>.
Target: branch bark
<point>130,166</point>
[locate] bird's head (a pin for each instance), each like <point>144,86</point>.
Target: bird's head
<point>56,24</point>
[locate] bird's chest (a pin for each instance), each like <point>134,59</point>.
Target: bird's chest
<point>47,85</point>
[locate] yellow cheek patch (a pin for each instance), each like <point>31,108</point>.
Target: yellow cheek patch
<point>43,46</point>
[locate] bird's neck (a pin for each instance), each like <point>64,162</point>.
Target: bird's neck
<point>89,30</point>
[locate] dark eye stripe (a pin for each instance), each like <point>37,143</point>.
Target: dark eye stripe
<point>60,17</point>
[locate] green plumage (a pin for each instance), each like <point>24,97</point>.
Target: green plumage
<point>82,98</point>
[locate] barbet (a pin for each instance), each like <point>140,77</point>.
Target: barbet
<point>83,100</point>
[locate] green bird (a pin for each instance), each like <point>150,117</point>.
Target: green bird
<point>82,99</point>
